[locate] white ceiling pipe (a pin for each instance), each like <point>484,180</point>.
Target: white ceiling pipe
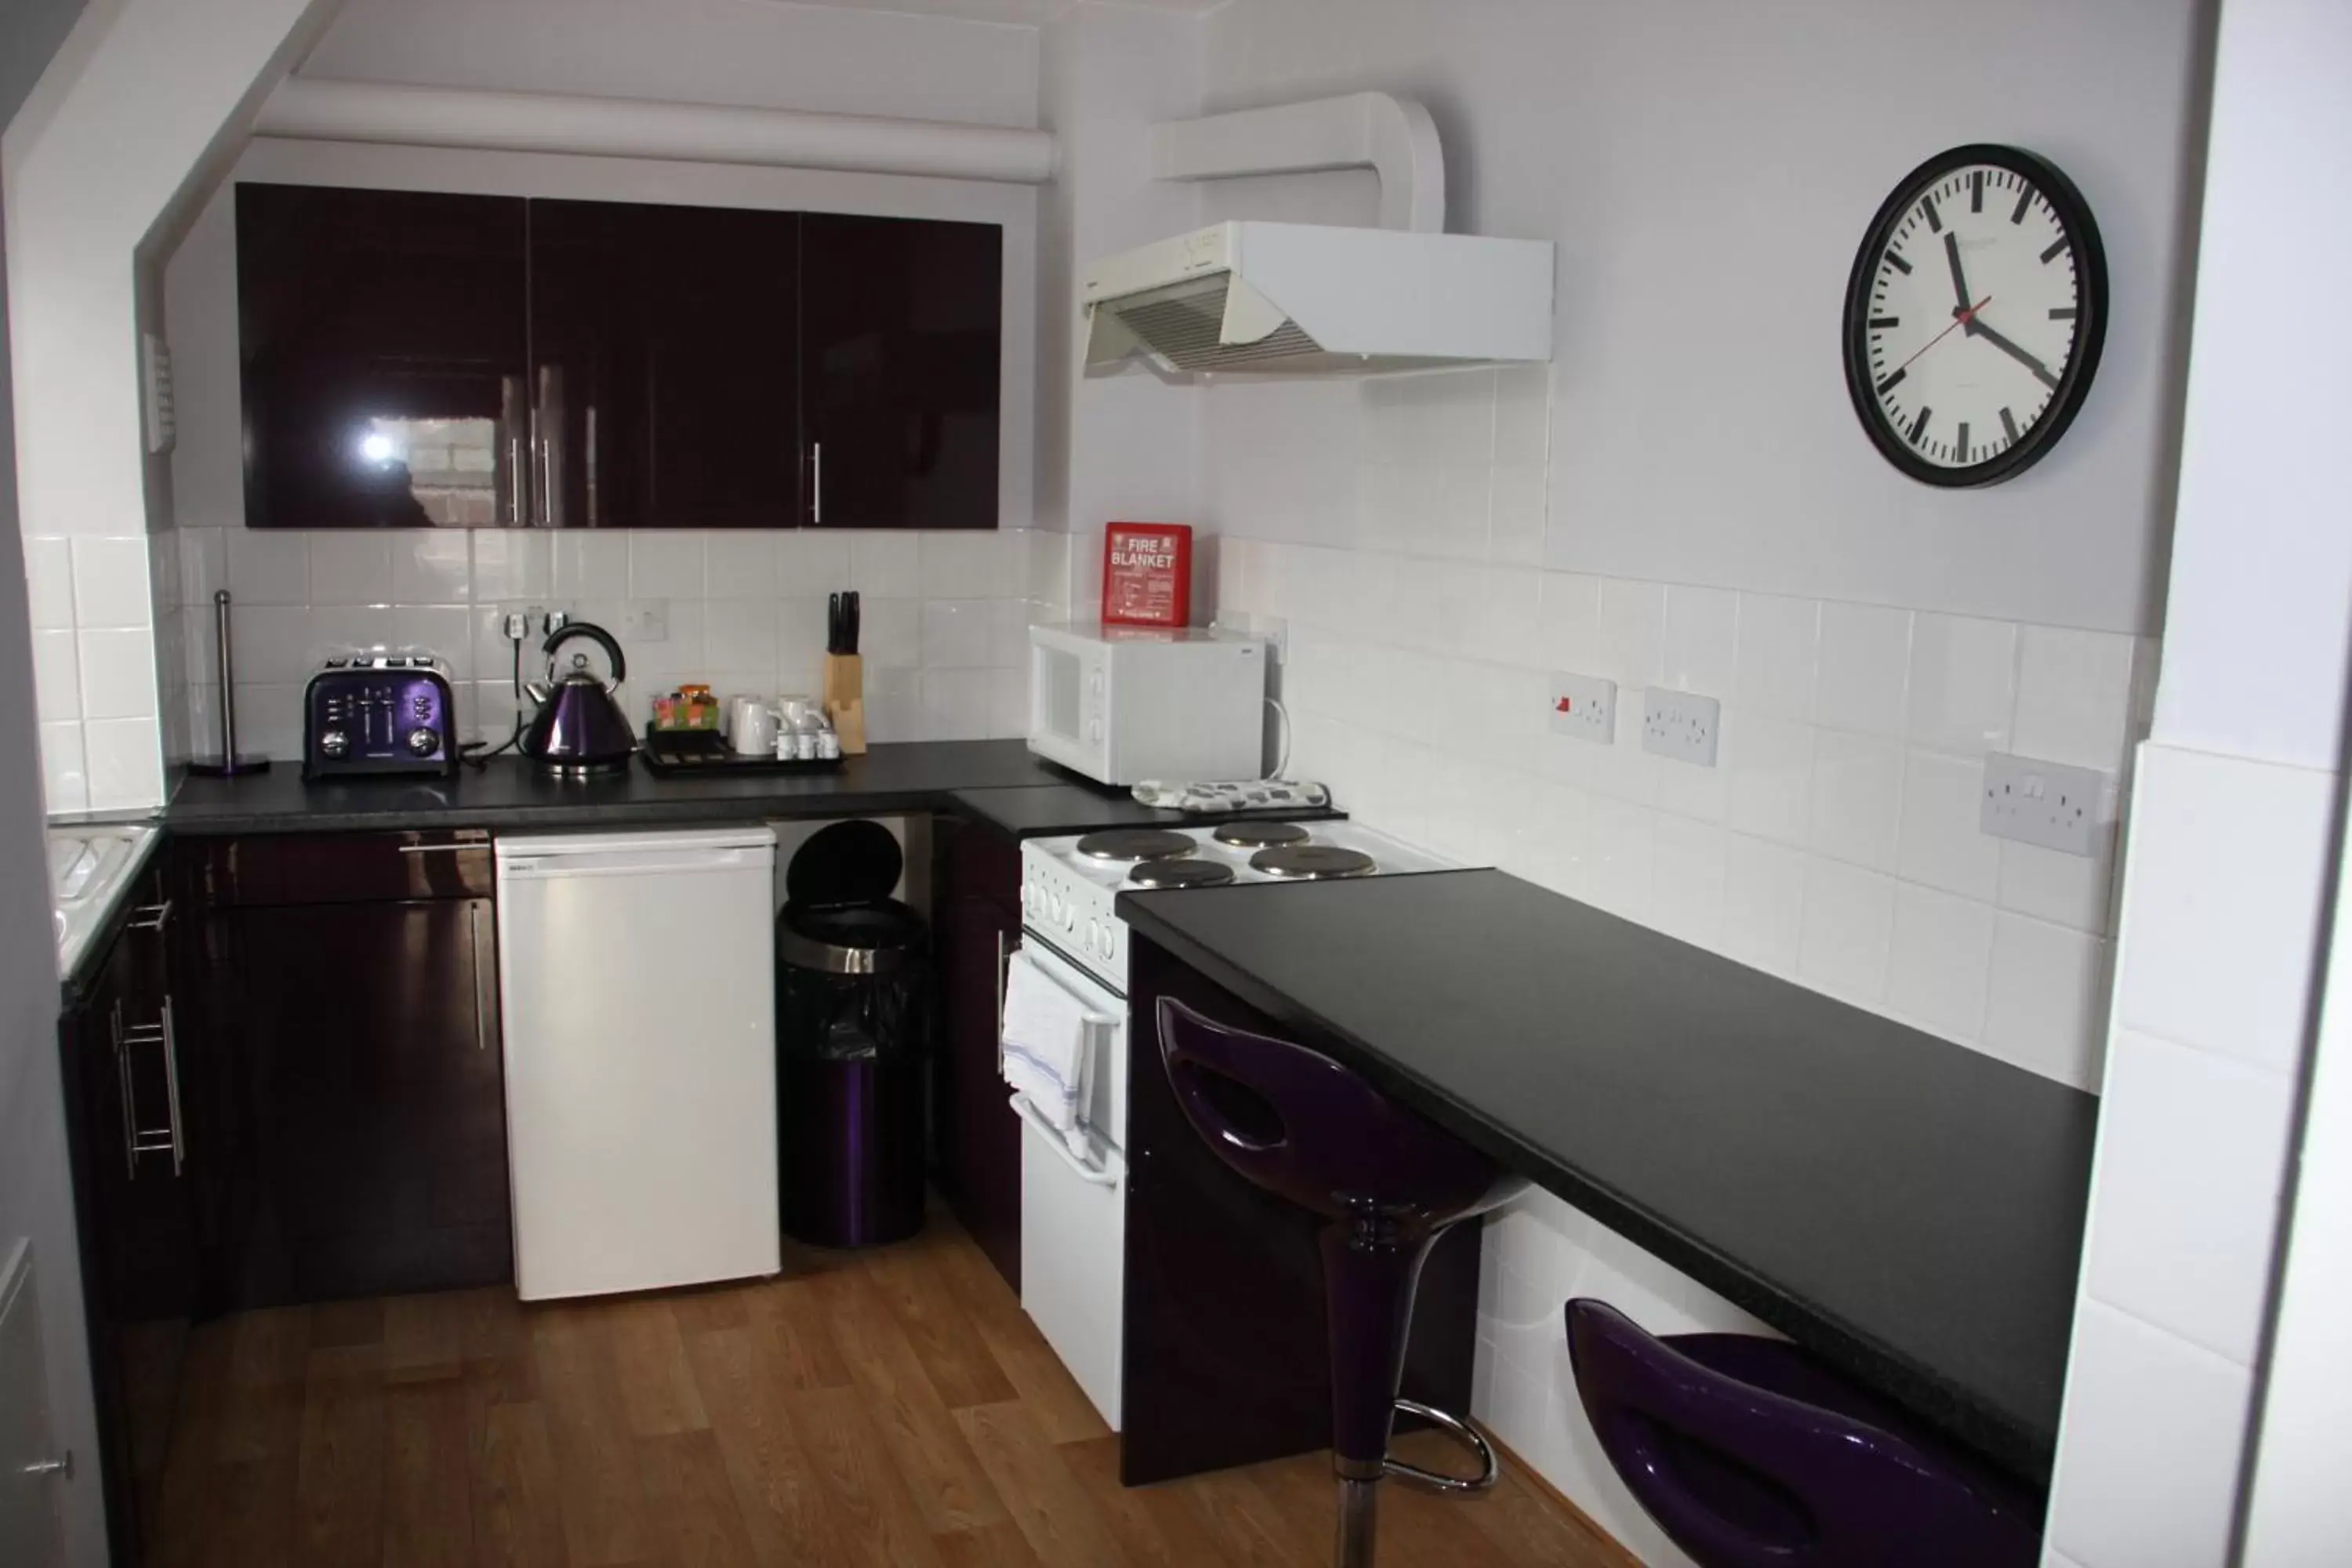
<point>1393,136</point>
<point>628,128</point>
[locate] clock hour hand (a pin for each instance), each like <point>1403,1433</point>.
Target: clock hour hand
<point>1977,329</point>
<point>1959,278</point>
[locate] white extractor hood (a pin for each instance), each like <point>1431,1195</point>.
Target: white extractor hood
<point>1313,300</point>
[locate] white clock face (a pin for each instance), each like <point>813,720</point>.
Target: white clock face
<point>1973,307</point>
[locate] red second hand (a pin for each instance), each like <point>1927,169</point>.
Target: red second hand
<point>1959,319</point>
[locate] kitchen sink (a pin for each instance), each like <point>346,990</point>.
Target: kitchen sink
<point>88,868</point>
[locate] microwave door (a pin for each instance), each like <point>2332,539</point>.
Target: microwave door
<point>1057,720</point>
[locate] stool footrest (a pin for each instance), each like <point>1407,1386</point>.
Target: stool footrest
<point>1462,1432</point>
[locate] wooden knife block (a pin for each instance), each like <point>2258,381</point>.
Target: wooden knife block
<point>845,701</point>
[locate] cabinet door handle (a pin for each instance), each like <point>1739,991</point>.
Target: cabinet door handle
<point>439,848</point>
<point>126,1096</point>
<point>150,917</point>
<point>139,1139</point>
<point>172,1088</point>
<point>514,481</point>
<point>1003,965</point>
<point>816,482</point>
<point>481,965</point>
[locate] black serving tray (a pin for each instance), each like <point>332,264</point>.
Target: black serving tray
<point>677,754</point>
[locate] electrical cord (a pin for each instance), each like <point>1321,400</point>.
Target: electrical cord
<point>472,751</point>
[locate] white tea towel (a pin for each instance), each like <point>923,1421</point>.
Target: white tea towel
<point>1045,1047</point>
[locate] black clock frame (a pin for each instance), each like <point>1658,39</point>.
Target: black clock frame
<point>2089,326</point>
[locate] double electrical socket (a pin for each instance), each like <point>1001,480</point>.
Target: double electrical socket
<point>2048,804</point>
<point>1681,725</point>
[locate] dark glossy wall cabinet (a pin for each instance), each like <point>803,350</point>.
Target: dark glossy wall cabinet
<point>353,989</point>
<point>382,335</point>
<point>975,924</point>
<point>899,373</point>
<point>419,360</point>
<point>132,1075</point>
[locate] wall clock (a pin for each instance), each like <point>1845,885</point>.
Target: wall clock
<point>1974,315</point>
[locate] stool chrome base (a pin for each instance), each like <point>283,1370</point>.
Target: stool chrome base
<point>1360,1484</point>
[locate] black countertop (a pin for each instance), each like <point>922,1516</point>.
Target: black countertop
<point>510,792</point>
<point>1910,1209</point>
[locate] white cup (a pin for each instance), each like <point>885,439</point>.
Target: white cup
<point>752,727</point>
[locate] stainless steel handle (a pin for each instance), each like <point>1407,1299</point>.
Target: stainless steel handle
<point>126,1095</point>
<point>172,1088</point>
<point>443,848</point>
<point>514,480</point>
<point>816,482</point>
<point>140,1140</point>
<point>156,917</point>
<point>1003,963</point>
<point>481,964</point>
<point>60,1466</point>
<point>547,481</point>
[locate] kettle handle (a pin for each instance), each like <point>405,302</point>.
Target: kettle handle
<point>594,633</point>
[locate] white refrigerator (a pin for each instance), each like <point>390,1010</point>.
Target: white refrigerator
<point>636,978</point>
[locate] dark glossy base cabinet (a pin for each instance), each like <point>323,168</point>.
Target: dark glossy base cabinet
<point>359,1093</point>
<point>976,922</point>
<point>138,1150</point>
<point>1225,1348</point>
<point>419,360</point>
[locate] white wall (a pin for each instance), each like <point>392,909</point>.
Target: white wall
<point>755,53</point>
<point>1120,447</point>
<point>139,111</point>
<point>2239,798</point>
<point>1685,499</point>
<point>93,161</point>
<point>36,1190</point>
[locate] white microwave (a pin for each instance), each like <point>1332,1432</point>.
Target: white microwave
<point>1122,704</point>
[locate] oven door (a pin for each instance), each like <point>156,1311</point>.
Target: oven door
<point>1065,724</point>
<point>1074,1207</point>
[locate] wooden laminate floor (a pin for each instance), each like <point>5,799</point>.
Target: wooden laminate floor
<point>890,1407</point>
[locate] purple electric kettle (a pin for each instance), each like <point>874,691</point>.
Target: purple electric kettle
<point>579,728</point>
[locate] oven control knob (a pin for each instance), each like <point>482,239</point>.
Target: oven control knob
<point>1094,936</point>
<point>1110,948</point>
<point>421,743</point>
<point>1054,909</point>
<point>1094,731</point>
<point>334,744</point>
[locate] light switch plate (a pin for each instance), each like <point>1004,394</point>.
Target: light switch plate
<point>1584,706</point>
<point>1681,725</point>
<point>2048,804</point>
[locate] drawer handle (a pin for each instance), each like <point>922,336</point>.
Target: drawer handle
<point>1036,1118</point>
<point>138,1140</point>
<point>441,849</point>
<point>150,917</point>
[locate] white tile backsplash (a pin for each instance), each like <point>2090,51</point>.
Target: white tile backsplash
<point>2048,1005</point>
<point>745,611</point>
<point>1864,660</point>
<point>111,583</point>
<point>2229,968</point>
<point>2185,1243</point>
<point>2143,1404</point>
<point>1963,683</point>
<point>1845,855</point>
<point>48,583</point>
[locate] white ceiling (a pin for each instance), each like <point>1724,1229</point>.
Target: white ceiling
<point>1023,11</point>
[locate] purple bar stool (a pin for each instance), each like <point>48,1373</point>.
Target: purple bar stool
<point>1301,1126</point>
<point>1751,1453</point>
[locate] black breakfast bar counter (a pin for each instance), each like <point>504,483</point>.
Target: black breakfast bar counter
<point>1907,1208</point>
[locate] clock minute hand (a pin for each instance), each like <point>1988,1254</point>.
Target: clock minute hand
<point>1959,278</point>
<point>1977,329</point>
